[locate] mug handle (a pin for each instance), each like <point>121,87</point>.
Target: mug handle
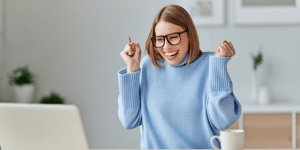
<point>212,139</point>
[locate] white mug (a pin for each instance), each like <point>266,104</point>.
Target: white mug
<point>231,139</point>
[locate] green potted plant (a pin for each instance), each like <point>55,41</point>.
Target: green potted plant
<point>257,61</point>
<point>53,98</point>
<point>22,80</point>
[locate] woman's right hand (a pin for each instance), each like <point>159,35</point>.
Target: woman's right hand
<point>132,56</point>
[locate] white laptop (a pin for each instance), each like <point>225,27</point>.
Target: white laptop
<point>41,127</point>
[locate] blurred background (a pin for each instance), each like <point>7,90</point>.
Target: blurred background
<point>73,47</point>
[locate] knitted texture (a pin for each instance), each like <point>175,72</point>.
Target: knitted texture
<point>178,107</point>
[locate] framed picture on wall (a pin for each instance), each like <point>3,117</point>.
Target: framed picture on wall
<point>266,12</point>
<point>205,12</point>
<point>1,35</point>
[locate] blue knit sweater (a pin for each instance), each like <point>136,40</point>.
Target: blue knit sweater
<point>178,107</point>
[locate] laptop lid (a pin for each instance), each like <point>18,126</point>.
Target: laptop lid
<point>41,127</point>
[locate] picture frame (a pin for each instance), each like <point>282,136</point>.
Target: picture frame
<point>1,33</point>
<point>1,26</point>
<point>206,12</point>
<point>266,12</point>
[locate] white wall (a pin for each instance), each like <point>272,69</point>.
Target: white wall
<point>74,48</point>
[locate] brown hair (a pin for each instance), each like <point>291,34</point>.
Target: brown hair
<point>179,16</point>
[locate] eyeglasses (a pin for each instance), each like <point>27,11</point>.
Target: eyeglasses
<point>172,38</point>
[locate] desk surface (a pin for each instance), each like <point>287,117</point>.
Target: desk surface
<point>200,149</point>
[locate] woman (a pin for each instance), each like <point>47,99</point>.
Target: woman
<point>180,95</point>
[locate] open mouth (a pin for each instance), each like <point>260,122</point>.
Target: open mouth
<point>171,56</point>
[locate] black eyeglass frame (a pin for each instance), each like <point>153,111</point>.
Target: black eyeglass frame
<point>166,37</point>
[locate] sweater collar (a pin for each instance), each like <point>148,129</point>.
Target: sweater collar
<point>183,62</point>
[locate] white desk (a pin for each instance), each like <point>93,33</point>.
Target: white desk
<point>199,149</point>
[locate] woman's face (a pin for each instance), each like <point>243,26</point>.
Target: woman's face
<point>164,28</point>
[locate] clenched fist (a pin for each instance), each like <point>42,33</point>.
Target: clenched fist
<point>225,50</point>
<point>132,56</point>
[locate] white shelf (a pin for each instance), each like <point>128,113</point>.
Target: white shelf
<point>275,107</point>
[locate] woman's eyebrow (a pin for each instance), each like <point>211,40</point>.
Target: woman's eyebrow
<point>168,34</point>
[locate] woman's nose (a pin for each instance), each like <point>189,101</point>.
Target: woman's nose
<point>167,44</point>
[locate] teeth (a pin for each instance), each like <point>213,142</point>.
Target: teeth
<point>171,53</point>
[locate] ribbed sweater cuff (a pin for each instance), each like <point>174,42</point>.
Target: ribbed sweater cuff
<point>219,77</point>
<point>129,88</point>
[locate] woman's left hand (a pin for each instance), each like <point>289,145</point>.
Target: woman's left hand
<point>225,50</point>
